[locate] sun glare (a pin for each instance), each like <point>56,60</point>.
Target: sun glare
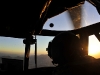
<point>94,47</point>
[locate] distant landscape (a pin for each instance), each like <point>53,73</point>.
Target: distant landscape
<point>42,60</point>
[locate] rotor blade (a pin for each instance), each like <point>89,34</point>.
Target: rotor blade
<point>76,16</point>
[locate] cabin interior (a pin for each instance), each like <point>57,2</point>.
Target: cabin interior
<point>25,20</point>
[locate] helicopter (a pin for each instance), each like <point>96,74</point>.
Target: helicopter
<point>24,19</point>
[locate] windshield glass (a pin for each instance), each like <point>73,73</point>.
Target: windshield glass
<point>82,16</point>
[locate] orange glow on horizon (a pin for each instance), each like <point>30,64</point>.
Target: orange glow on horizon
<point>39,52</point>
<point>94,46</point>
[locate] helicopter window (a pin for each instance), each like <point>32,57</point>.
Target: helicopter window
<point>63,22</point>
<point>85,15</point>
<point>11,46</point>
<point>43,59</point>
<point>94,46</point>
<point>11,51</point>
<point>14,48</point>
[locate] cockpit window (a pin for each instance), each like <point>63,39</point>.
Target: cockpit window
<point>11,46</point>
<point>94,47</point>
<point>43,60</point>
<point>11,53</point>
<point>82,16</point>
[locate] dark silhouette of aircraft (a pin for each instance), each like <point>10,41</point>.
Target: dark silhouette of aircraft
<point>23,19</point>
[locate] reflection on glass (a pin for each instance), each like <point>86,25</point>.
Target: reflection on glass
<point>63,21</point>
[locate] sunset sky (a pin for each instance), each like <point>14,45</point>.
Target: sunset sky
<point>14,46</point>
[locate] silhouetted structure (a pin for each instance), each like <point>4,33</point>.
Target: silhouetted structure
<point>12,64</point>
<point>67,52</point>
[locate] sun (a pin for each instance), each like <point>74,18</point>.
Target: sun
<point>94,47</point>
